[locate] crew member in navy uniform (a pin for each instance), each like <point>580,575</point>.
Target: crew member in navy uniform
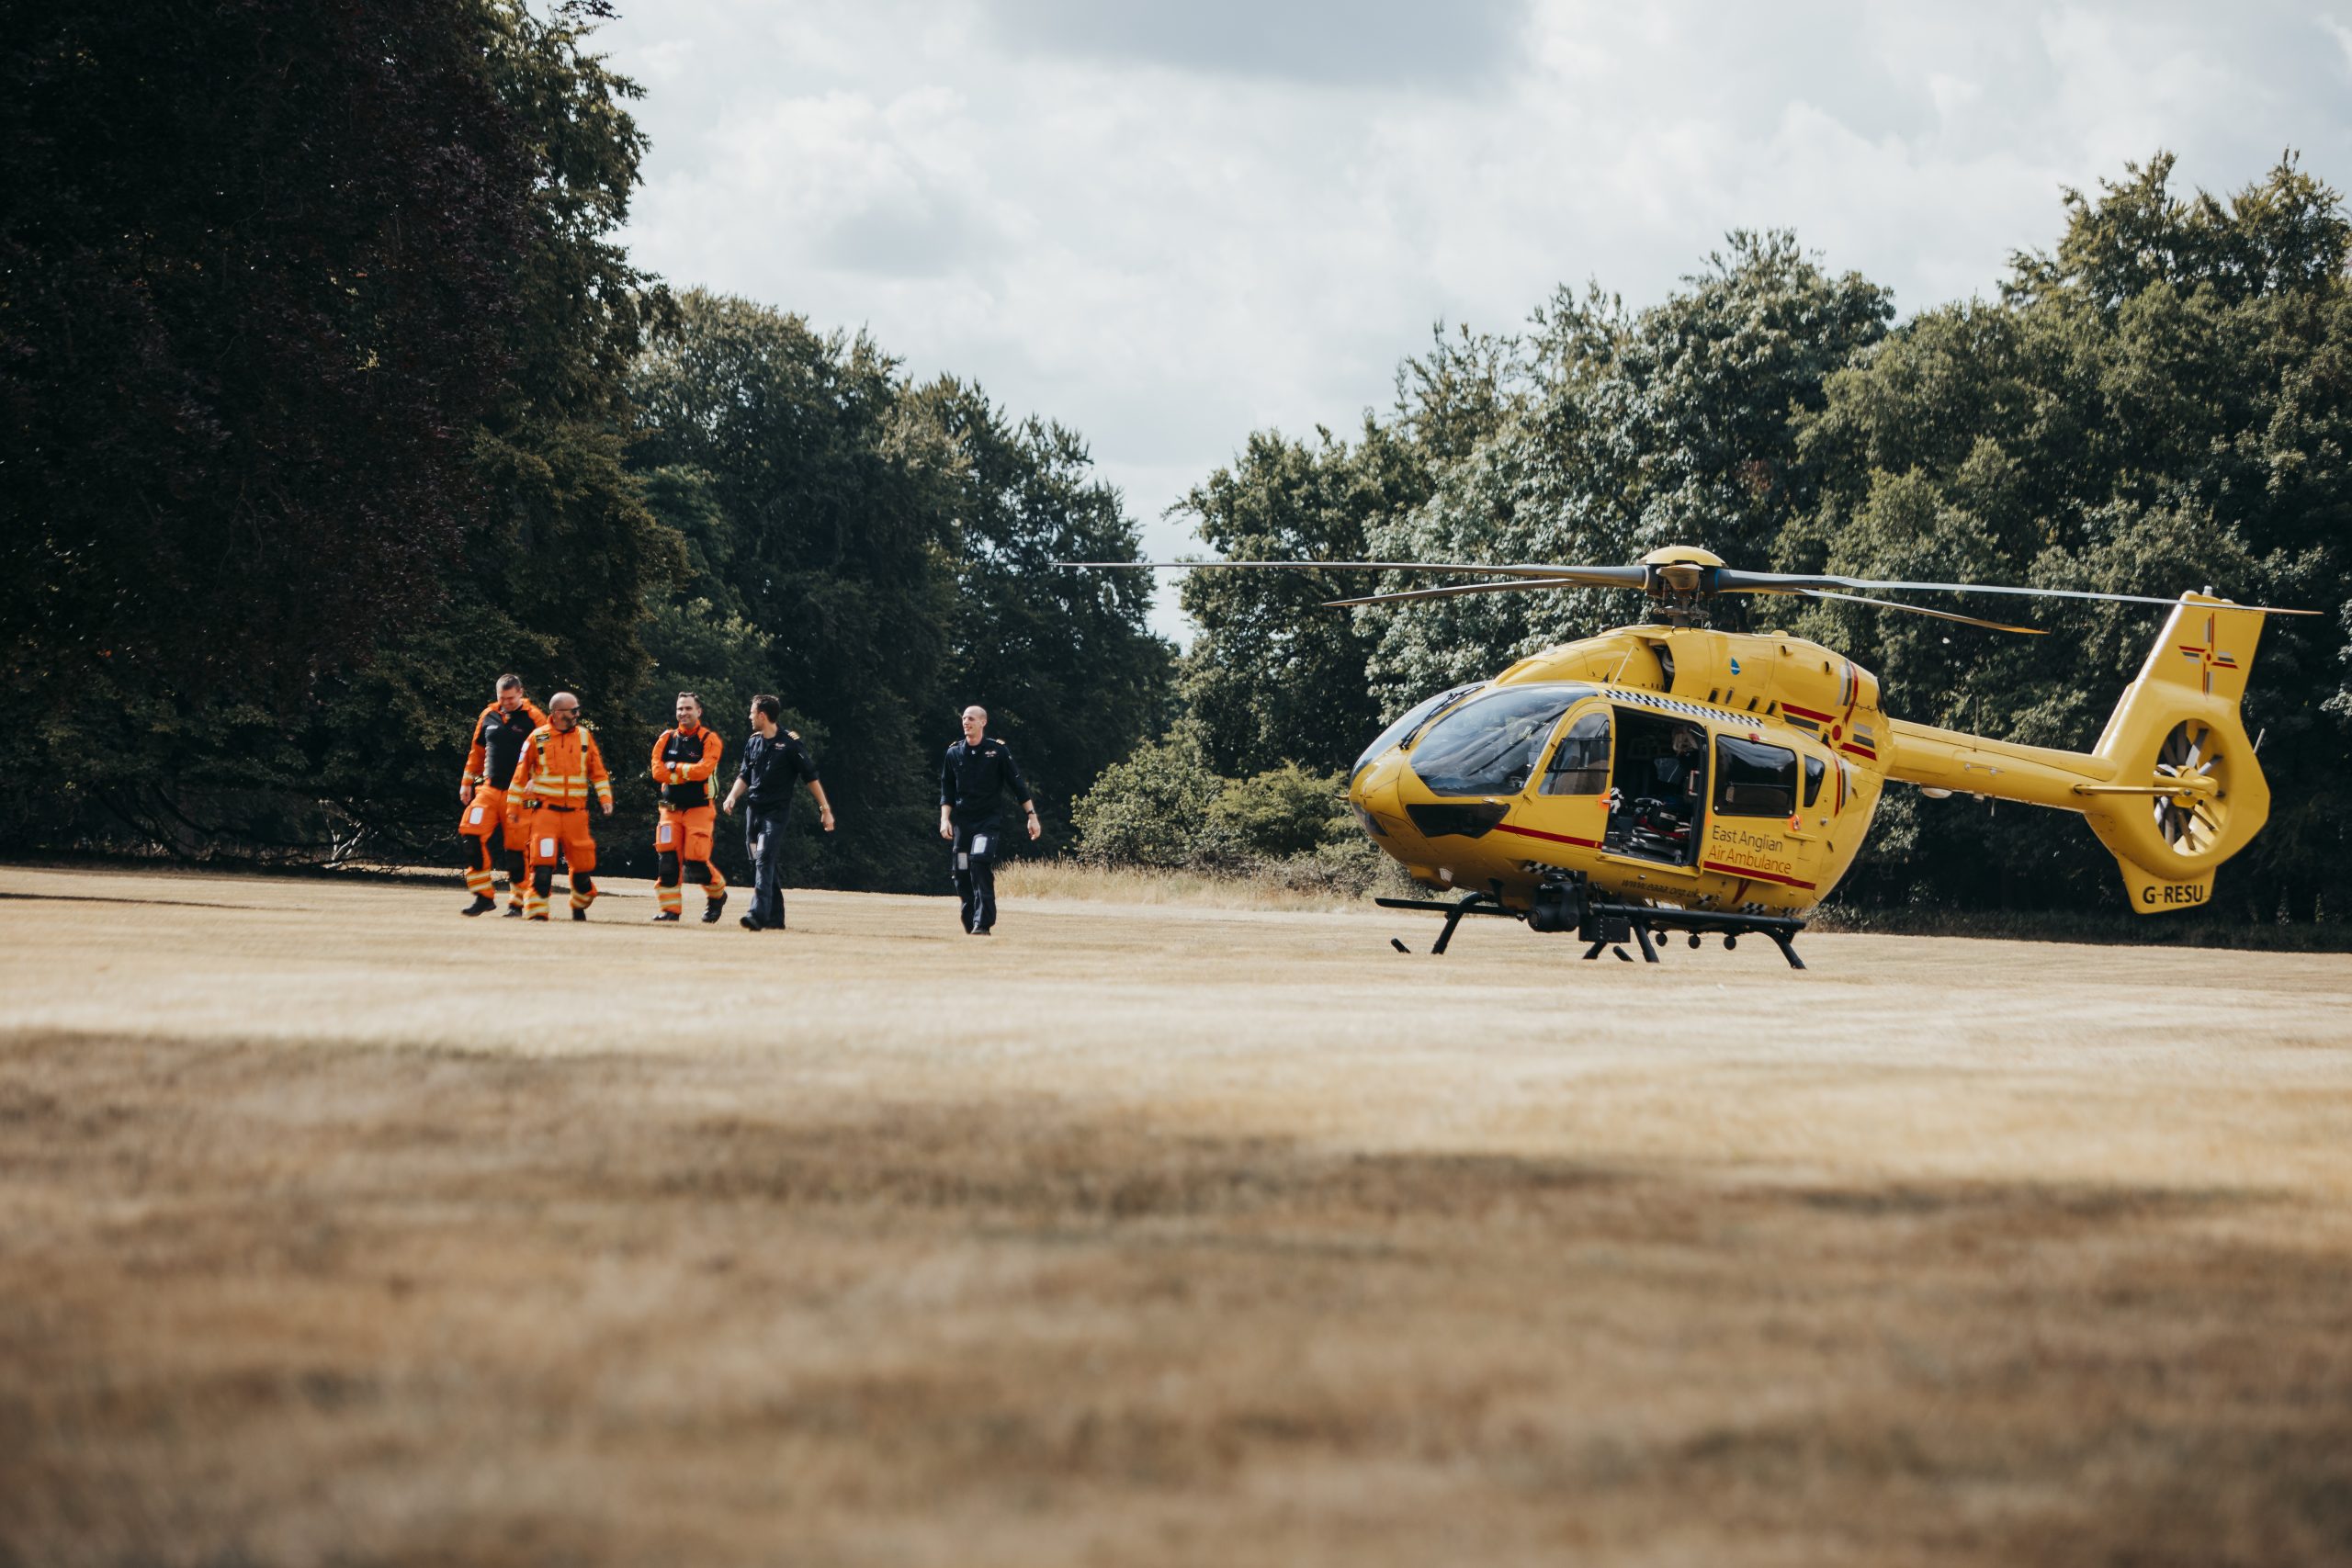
<point>977,777</point>
<point>773,759</point>
<point>492,818</point>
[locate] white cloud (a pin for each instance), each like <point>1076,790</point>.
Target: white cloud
<point>1168,227</point>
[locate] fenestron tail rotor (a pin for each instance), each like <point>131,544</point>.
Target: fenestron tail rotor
<point>2192,822</point>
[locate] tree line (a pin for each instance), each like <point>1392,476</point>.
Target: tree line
<point>330,397</point>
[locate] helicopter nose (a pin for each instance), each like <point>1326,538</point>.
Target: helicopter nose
<point>1373,792</point>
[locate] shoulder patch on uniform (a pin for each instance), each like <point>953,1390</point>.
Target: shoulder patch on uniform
<point>794,733</point>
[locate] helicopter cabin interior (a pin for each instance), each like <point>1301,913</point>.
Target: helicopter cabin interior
<point>1659,777</point>
<point>1662,774</point>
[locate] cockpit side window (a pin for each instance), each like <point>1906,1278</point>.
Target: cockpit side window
<point>1814,770</point>
<point>1753,779</point>
<point>1580,765</point>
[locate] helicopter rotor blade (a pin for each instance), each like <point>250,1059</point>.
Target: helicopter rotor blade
<point>1511,585</point>
<point>1919,610</point>
<point>1728,581</point>
<point>1588,576</point>
<point>1720,579</point>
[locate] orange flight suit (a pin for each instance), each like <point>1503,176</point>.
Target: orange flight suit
<point>555,778</point>
<point>683,765</point>
<point>493,809</point>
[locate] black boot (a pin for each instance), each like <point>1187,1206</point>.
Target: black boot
<point>713,909</point>
<point>480,905</point>
<point>665,917</point>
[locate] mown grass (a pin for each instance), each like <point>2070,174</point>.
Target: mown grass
<point>1327,882</point>
<point>1338,880</point>
<point>2118,927</point>
<point>337,1228</point>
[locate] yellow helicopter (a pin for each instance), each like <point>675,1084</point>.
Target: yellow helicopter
<point>1672,777</point>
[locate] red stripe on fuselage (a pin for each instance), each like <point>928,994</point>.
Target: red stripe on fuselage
<point>1756,875</point>
<point>1806,713</point>
<point>1555,838</point>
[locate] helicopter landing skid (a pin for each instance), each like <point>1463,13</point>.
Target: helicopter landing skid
<point>1471,904</point>
<point>1609,926</point>
<point>1602,929</point>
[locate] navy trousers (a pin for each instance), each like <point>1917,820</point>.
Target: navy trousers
<point>763,837</point>
<point>973,871</point>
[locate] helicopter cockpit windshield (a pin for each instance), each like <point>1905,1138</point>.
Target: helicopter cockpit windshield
<point>1491,744</point>
<point>1413,718</point>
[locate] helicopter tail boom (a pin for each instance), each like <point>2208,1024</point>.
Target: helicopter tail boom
<point>2172,789</point>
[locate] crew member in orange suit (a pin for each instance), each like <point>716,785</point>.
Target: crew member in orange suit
<point>684,760</point>
<point>490,815</point>
<point>560,765</point>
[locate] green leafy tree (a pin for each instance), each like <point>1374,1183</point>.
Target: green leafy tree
<point>2160,404</point>
<point>1273,676</point>
<point>312,368</point>
<point>1672,425</point>
<point>1063,660</point>
<point>250,252</point>
<point>838,545</point>
<point>562,558</point>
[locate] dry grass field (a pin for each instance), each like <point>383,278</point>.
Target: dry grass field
<point>336,1229</point>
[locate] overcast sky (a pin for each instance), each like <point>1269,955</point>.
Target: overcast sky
<point>1166,224</point>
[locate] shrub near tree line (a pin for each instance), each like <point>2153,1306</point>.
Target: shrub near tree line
<point>1163,807</point>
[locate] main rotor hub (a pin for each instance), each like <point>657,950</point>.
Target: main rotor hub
<point>1677,575</point>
